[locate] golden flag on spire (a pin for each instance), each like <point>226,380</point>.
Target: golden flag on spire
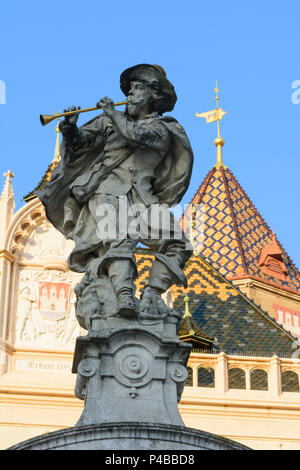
<point>215,114</point>
<point>211,116</point>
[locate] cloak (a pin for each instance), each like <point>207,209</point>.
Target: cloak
<point>78,168</point>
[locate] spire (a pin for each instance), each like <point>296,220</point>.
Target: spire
<point>190,332</point>
<point>219,142</point>
<point>216,115</point>
<point>187,315</point>
<point>7,192</point>
<point>7,205</point>
<point>47,175</point>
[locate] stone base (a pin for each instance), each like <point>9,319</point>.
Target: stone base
<point>129,436</point>
<point>130,375</point>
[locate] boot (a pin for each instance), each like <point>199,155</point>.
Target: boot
<point>121,275</point>
<point>126,307</point>
<point>152,305</point>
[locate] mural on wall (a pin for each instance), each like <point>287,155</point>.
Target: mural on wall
<point>288,318</point>
<point>46,309</point>
<point>45,313</point>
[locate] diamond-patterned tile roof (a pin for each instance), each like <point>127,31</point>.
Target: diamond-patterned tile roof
<point>221,311</point>
<point>228,230</point>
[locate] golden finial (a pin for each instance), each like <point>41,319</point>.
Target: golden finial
<point>217,94</point>
<point>187,314</point>
<point>57,155</point>
<point>186,308</point>
<point>216,115</point>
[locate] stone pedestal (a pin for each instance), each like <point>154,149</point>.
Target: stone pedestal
<point>130,375</point>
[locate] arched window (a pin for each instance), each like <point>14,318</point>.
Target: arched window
<point>189,380</point>
<point>289,381</point>
<point>206,377</point>
<point>237,379</point>
<point>258,379</point>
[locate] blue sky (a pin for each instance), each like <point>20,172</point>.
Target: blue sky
<point>57,53</point>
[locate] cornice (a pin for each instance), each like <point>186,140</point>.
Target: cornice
<point>266,285</point>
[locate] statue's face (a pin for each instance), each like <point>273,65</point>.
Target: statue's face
<point>139,97</point>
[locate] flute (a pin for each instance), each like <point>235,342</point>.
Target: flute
<point>46,118</point>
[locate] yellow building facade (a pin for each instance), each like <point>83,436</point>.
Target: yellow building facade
<point>39,328</point>
<point>242,306</point>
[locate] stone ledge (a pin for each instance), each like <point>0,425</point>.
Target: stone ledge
<point>129,436</point>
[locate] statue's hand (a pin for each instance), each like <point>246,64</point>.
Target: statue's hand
<point>72,118</point>
<point>107,105</point>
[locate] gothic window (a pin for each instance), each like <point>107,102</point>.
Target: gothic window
<point>189,380</point>
<point>237,379</point>
<point>289,381</point>
<point>206,377</point>
<point>258,379</point>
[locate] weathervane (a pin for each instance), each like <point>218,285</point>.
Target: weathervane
<point>212,116</point>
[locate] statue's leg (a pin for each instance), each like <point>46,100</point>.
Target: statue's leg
<point>119,264</point>
<point>167,269</point>
<point>121,274</point>
<point>172,251</point>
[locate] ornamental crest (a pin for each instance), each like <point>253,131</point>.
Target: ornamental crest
<point>53,299</point>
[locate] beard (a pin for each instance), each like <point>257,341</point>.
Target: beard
<point>133,109</point>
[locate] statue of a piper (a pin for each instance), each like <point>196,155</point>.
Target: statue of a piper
<point>118,175</point>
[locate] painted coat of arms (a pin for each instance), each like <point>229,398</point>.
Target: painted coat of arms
<point>53,300</point>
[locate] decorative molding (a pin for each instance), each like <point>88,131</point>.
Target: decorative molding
<point>266,285</point>
<point>7,255</point>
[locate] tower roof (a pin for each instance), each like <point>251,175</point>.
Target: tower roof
<point>230,233</point>
<point>220,311</point>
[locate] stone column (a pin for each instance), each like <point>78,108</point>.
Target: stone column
<point>7,207</point>
<point>275,376</point>
<point>222,373</point>
<point>6,261</point>
<point>248,380</point>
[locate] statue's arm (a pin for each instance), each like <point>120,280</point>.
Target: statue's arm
<point>77,138</point>
<point>152,135</point>
<point>71,134</point>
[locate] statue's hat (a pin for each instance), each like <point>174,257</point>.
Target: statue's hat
<point>156,77</point>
